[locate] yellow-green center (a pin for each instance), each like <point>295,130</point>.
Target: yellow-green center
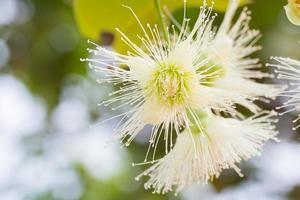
<point>170,83</point>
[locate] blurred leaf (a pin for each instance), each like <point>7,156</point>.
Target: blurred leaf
<point>265,16</point>
<point>94,16</point>
<point>221,5</point>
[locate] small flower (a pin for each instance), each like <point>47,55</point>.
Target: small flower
<point>292,10</point>
<point>289,69</point>
<point>201,155</point>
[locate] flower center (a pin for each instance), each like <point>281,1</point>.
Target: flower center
<point>170,83</point>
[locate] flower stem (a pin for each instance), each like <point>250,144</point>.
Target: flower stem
<point>161,19</point>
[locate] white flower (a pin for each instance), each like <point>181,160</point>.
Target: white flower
<point>292,10</point>
<point>166,80</point>
<point>230,49</point>
<point>200,156</point>
<point>169,84</point>
<point>289,69</point>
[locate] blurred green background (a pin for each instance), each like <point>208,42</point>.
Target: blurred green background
<point>51,142</point>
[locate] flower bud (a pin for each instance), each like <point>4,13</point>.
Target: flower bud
<point>292,10</point>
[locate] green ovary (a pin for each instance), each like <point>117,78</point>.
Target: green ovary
<point>170,84</point>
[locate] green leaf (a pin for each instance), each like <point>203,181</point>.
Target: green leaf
<point>221,5</point>
<point>96,16</point>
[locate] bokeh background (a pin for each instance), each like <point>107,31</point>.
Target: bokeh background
<point>51,141</point>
